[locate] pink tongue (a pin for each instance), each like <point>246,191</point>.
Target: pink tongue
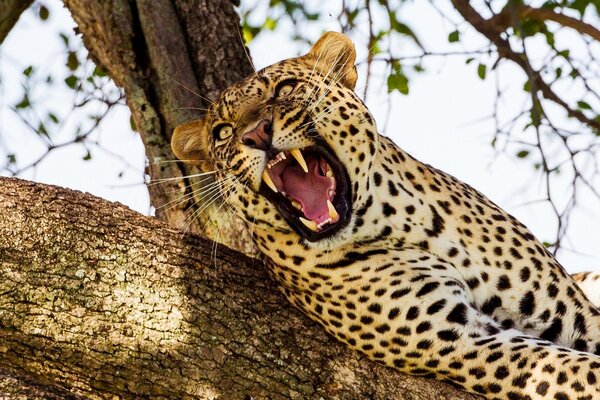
<point>309,189</point>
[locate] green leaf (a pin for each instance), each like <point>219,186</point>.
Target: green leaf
<point>249,32</point>
<point>24,103</point>
<point>64,38</point>
<point>71,81</point>
<point>547,244</point>
<point>397,81</point>
<point>481,71</point>
<point>132,123</point>
<point>558,72</point>
<point>72,61</point>
<point>53,118</point>
<point>469,60</point>
<point>43,13</point>
<point>583,105</point>
<point>12,158</point>
<point>99,72</point>
<point>374,48</point>
<point>270,24</point>
<point>523,153</point>
<point>527,86</point>
<point>41,130</point>
<point>574,73</point>
<point>88,156</point>
<point>549,38</point>
<point>454,36</point>
<point>531,27</point>
<point>27,71</point>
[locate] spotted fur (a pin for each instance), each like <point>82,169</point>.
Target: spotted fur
<point>429,276</point>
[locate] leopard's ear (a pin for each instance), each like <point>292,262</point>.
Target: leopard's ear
<point>334,55</point>
<point>189,143</point>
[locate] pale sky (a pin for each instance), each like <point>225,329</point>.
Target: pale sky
<point>442,122</point>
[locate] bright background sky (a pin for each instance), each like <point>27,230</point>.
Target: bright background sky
<point>444,122</point>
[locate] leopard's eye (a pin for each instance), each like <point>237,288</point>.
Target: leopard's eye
<point>221,133</point>
<point>286,87</point>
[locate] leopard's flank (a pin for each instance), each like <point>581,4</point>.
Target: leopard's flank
<point>400,261</point>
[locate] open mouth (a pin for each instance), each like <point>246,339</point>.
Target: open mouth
<point>310,188</point>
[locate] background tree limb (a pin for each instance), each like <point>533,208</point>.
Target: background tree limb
<point>493,32</point>
<point>105,302</point>
<point>510,14</point>
<point>10,12</point>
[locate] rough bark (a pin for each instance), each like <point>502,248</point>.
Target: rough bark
<point>170,57</point>
<point>10,11</point>
<point>106,302</point>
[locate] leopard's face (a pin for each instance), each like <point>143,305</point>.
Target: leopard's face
<point>292,143</point>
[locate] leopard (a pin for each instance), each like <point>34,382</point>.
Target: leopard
<point>398,260</point>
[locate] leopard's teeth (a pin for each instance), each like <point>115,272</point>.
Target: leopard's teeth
<point>332,211</point>
<point>312,225</point>
<point>274,161</point>
<point>297,205</point>
<point>267,178</point>
<point>329,171</point>
<point>322,224</point>
<point>297,154</point>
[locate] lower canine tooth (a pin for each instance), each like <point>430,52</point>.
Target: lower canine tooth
<point>332,211</point>
<point>267,178</point>
<point>300,158</point>
<point>297,205</point>
<point>312,225</point>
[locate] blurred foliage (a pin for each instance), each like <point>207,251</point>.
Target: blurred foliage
<point>93,96</point>
<point>554,44</point>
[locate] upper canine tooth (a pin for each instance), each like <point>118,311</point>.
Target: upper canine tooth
<point>297,154</point>
<point>267,178</point>
<point>312,225</point>
<point>332,211</point>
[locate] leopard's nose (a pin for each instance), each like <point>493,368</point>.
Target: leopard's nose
<point>260,137</point>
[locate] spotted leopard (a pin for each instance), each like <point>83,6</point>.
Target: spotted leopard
<point>400,261</point>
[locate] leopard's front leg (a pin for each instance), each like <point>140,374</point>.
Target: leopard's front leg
<point>417,315</point>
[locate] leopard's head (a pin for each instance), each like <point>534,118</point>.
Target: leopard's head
<point>292,143</point>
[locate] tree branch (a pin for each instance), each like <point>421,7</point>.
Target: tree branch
<point>107,302</point>
<point>508,15</point>
<point>493,33</point>
<point>168,56</point>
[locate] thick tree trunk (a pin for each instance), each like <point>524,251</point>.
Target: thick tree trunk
<point>171,57</point>
<point>106,302</point>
